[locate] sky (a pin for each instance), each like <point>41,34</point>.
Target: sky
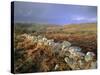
<point>29,12</point>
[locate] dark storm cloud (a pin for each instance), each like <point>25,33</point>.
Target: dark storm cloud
<point>53,13</point>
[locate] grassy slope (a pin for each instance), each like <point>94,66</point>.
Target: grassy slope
<point>75,27</point>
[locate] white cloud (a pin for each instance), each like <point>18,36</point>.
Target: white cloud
<point>78,18</point>
<point>81,18</point>
<point>93,19</point>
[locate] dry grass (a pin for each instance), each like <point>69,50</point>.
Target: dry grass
<point>37,57</point>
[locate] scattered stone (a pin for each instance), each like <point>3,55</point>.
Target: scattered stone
<point>56,66</point>
<point>75,49</point>
<point>65,44</point>
<point>89,56</point>
<point>72,55</point>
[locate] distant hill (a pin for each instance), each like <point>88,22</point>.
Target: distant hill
<point>75,27</point>
<point>81,27</point>
<point>71,28</point>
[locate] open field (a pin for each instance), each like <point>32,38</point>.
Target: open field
<point>83,35</point>
<point>35,55</point>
